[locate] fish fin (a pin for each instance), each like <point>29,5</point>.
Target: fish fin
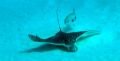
<point>36,38</point>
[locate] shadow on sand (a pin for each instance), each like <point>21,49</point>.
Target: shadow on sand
<point>45,48</point>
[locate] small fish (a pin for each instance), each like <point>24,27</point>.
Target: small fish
<point>70,18</point>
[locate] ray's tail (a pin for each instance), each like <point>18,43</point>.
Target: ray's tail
<point>36,38</point>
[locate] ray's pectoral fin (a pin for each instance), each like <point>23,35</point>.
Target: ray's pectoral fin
<point>36,38</point>
<point>88,34</point>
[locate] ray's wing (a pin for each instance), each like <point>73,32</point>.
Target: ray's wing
<point>74,35</point>
<point>81,35</point>
<point>88,34</point>
<point>36,38</point>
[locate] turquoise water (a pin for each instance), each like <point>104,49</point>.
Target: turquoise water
<point>18,18</point>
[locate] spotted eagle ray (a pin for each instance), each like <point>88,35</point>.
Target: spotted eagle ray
<point>68,40</point>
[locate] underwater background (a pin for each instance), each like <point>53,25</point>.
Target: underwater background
<point>18,18</point>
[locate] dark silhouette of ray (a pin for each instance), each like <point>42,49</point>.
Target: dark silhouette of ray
<point>50,47</point>
<point>46,48</point>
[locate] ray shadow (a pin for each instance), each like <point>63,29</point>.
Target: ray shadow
<point>45,48</point>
